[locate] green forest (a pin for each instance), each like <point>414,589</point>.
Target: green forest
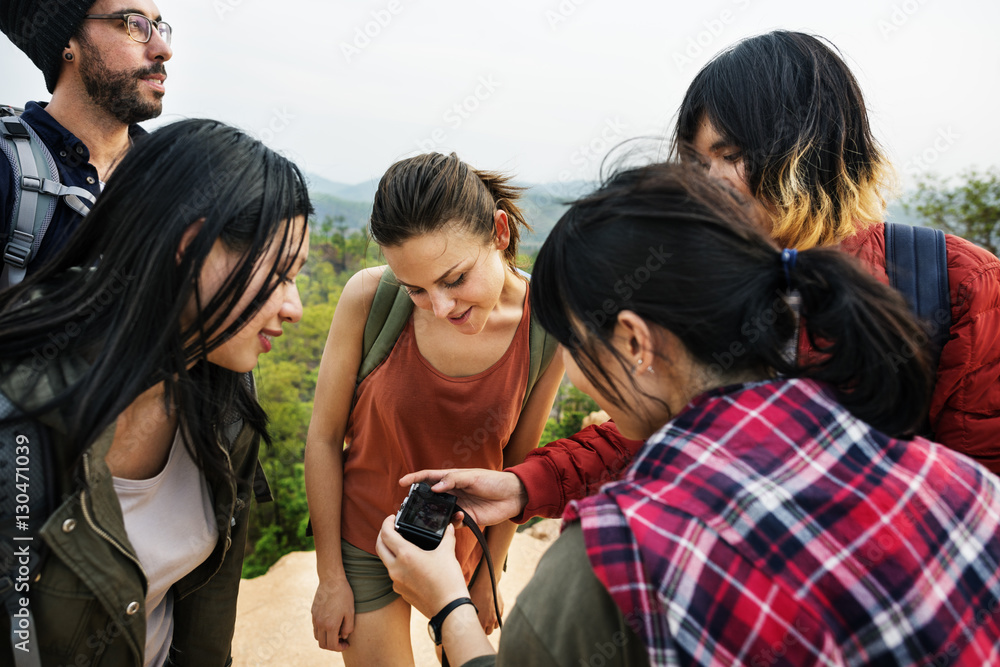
<point>286,382</point>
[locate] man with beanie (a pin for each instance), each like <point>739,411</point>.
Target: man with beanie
<point>103,62</point>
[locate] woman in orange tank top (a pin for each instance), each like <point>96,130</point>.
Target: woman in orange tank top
<point>450,393</point>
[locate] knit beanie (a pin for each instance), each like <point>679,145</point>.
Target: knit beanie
<point>42,28</point>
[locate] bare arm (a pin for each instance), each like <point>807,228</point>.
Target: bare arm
<point>333,605</point>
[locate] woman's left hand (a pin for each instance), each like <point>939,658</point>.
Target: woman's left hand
<point>428,580</point>
<point>481,593</point>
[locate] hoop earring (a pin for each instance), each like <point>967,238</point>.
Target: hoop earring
<point>68,56</point>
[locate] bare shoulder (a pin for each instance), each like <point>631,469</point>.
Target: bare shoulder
<point>359,292</point>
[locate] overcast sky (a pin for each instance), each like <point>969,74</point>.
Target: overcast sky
<point>543,88</point>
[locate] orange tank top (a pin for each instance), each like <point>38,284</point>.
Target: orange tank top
<point>409,416</point>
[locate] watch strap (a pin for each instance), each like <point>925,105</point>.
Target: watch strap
<point>438,620</point>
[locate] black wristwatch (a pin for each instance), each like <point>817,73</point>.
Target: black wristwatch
<point>434,627</point>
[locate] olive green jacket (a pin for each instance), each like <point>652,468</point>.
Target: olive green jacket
<point>89,601</point>
<point>565,617</point>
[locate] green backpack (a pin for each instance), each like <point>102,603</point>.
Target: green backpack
<point>390,311</point>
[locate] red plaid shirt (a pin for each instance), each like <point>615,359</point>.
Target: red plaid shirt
<point>766,525</point>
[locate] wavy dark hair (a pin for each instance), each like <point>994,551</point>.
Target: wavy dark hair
<point>424,193</point>
<point>687,254</point>
<point>791,105</point>
<point>115,294</point>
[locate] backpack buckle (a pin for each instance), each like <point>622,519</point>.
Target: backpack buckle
<point>18,249</point>
<point>31,183</point>
<point>11,126</point>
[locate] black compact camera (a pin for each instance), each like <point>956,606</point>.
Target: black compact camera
<point>424,515</point>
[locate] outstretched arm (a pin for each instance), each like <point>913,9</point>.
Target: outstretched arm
<point>550,477</point>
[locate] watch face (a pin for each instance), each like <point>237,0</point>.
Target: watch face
<point>430,631</point>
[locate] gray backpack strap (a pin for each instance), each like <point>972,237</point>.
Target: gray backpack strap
<point>387,318</point>
<point>35,196</point>
<point>916,259</point>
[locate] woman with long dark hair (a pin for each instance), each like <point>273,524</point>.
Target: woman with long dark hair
<point>132,350</point>
<point>769,518</point>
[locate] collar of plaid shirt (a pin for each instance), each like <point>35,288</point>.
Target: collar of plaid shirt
<point>766,525</point>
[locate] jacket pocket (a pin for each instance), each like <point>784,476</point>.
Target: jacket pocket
<point>72,626</point>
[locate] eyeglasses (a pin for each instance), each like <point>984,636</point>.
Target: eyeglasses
<point>140,28</point>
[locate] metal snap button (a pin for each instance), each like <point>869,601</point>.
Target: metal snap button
<point>79,150</point>
<point>68,525</point>
<point>90,179</point>
<point>132,608</point>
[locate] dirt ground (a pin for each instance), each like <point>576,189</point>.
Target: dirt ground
<point>274,626</point>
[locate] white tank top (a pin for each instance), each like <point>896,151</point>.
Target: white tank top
<point>171,525</point>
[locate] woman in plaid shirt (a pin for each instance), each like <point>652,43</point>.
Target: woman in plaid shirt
<point>777,514</point>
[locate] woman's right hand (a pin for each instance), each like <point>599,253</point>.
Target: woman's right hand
<point>333,614</point>
<point>488,496</point>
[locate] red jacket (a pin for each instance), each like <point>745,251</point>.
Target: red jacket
<point>964,410</point>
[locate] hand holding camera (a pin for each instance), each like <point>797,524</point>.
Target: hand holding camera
<point>424,515</point>
<point>428,580</point>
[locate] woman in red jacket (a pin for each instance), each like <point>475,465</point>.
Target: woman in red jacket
<point>781,118</point>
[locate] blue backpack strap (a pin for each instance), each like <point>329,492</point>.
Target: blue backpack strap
<point>36,191</point>
<point>916,259</point>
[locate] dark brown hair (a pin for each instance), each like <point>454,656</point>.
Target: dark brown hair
<point>424,193</point>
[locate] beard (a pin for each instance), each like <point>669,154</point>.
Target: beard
<point>118,93</point>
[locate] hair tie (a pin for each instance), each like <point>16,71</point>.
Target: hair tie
<point>788,256</point>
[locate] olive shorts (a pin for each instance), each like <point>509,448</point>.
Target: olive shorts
<point>370,581</point>
<point>368,578</point>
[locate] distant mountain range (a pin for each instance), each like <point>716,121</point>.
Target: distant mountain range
<point>542,204</point>
<point>351,205</point>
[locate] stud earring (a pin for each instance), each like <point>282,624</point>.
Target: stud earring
<point>68,56</point>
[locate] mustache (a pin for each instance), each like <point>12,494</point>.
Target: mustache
<point>158,68</point>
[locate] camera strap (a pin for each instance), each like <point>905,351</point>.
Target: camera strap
<point>489,564</point>
<point>489,560</point>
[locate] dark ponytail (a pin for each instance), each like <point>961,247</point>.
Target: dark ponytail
<point>866,342</point>
<point>422,194</point>
<point>688,255</point>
